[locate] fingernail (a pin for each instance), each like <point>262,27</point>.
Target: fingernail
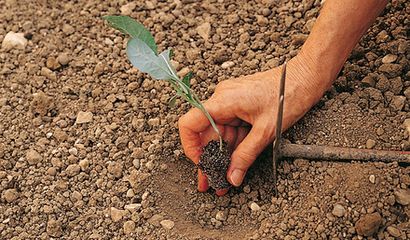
<point>237,177</point>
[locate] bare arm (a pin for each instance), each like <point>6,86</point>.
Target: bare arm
<point>336,32</point>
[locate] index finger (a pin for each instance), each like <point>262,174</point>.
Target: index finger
<point>190,125</point>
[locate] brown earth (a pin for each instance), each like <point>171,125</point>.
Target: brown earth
<point>89,148</point>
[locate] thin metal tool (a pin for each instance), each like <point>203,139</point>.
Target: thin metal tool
<point>279,119</point>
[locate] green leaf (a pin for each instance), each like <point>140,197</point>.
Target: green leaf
<point>172,101</point>
<point>143,58</point>
<point>133,28</point>
<point>187,79</point>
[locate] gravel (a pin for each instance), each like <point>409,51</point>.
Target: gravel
<point>89,148</point>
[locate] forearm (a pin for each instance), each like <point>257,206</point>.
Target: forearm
<point>337,30</point>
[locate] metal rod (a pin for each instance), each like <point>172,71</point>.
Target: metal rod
<point>342,154</point>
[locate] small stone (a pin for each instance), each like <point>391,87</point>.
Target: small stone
<point>72,170</point>
<point>115,169</point>
<point>84,164</point>
<point>14,40</point>
<point>370,143</point>
<point>84,117</point>
<point>394,232</point>
<point>261,20</point>
<point>391,69</point>
<point>99,68</point>
<point>289,20</point>
<point>397,103</point>
<point>406,125</point>
<point>320,228</point>
<point>52,171</point>
<point>402,196</point>
<point>368,81</point>
<point>129,227</point>
<point>54,228</point>
<point>368,224</point>
<point>156,219</point>
<point>52,63</point>
<point>184,71</point>
<point>220,216</point>
<point>338,210</point>
<point>128,8</point>
<point>406,93</point>
<point>133,207</point>
<point>266,12</point>
<point>154,122</point>
<point>33,157</point>
<point>255,207</point>
<point>167,224</point>
<point>389,58</point>
<point>10,195</point>
<point>68,29</point>
<point>130,193</point>
<point>372,178</point>
<point>203,30</point>
<point>63,59</point>
<point>117,214</point>
<point>227,64</point>
<point>247,189</point>
<point>73,151</point>
<point>48,73</point>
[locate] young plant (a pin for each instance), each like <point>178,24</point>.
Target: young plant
<point>143,54</point>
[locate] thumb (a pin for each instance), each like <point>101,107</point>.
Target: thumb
<point>246,153</point>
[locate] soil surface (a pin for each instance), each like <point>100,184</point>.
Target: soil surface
<point>89,148</point>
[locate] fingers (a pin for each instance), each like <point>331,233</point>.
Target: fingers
<point>246,153</point>
<point>190,126</point>
<point>203,185</point>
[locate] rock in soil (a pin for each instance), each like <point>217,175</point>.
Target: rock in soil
<point>402,196</point>
<point>214,163</point>
<point>14,40</point>
<point>368,224</point>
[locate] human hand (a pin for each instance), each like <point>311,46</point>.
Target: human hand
<point>244,110</point>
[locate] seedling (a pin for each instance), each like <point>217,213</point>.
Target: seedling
<point>143,54</point>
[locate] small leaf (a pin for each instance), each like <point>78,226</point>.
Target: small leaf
<point>133,28</point>
<point>143,58</point>
<point>187,79</point>
<point>172,101</point>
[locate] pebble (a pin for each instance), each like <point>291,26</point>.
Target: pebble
<point>255,207</point>
<point>84,117</point>
<point>33,157</point>
<point>115,168</point>
<point>48,74</point>
<point>406,125</point>
<point>10,195</point>
<point>338,210</point>
<point>220,216</point>
<point>370,143</point>
<point>128,8</point>
<point>167,224</point>
<point>397,103</point>
<point>84,164</point>
<point>204,30</point>
<point>63,59</point>
<point>72,170</point>
<point>52,63</point>
<point>129,227</point>
<point>154,122</point>
<point>368,81</point>
<point>14,40</point>
<point>54,228</point>
<point>133,207</point>
<point>156,219</point>
<point>117,214</point>
<point>68,29</point>
<point>394,232</point>
<point>227,64</point>
<point>372,178</point>
<point>130,193</point>
<point>73,151</point>
<point>402,196</point>
<point>368,224</point>
<point>389,58</point>
<point>391,69</point>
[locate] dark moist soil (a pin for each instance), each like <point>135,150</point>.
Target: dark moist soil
<point>214,162</point>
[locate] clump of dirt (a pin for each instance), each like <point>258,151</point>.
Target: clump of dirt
<point>214,162</point>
